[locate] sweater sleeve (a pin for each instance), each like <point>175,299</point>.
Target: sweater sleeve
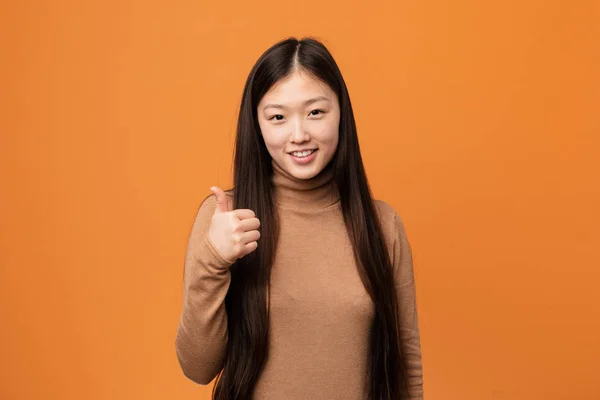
<point>407,306</point>
<point>201,339</point>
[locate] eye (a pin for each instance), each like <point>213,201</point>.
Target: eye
<point>316,112</point>
<point>277,117</point>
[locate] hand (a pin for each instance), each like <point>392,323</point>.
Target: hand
<point>234,233</point>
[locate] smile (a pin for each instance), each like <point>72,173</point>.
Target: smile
<point>303,157</point>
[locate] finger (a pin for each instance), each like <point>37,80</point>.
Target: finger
<point>249,224</point>
<point>244,213</point>
<point>251,236</point>
<point>222,206</point>
<point>250,247</point>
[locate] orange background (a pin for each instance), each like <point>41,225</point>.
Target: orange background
<point>478,122</point>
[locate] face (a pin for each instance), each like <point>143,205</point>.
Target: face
<point>299,118</point>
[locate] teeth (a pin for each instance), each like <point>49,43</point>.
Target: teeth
<point>302,153</point>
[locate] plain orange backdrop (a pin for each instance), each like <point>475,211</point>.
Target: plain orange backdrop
<point>478,121</point>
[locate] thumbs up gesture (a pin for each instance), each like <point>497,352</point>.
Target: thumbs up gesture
<point>234,233</point>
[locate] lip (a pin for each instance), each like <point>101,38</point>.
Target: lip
<point>304,160</point>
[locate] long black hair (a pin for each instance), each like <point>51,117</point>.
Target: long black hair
<point>247,298</point>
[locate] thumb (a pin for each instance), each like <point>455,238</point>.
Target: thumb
<point>221,200</point>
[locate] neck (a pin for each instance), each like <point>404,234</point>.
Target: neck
<point>314,193</point>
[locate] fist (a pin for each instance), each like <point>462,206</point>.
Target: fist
<point>234,233</point>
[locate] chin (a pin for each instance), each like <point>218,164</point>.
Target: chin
<point>304,173</point>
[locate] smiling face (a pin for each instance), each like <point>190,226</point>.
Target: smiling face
<point>300,113</point>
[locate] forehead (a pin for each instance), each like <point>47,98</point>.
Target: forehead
<point>298,86</point>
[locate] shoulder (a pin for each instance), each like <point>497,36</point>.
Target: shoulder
<point>383,209</point>
<point>387,215</point>
<point>210,201</point>
<point>209,204</point>
<point>390,221</point>
<point>396,240</point>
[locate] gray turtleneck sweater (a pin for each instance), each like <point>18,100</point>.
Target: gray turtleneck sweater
<point>320,314</point>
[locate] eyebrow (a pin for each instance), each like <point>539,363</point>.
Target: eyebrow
<point>306,103</point>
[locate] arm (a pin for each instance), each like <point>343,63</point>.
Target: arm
<point>201,340</point>
<point>407,308</point>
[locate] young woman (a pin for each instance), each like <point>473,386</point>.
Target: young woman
<point>297,284</point>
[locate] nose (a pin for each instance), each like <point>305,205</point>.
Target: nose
<point>299,134</point>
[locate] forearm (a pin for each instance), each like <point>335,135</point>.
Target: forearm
<point>410,338</point>
<point>201,340</point>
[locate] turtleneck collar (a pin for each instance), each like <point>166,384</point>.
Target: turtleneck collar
<point>314,193</point>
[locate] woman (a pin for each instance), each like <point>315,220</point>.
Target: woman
<point>297,284</point>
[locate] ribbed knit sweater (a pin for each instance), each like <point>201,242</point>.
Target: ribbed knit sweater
<point>320,315</point>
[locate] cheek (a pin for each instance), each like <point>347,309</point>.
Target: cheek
<point>329,134</point>
<point>273,139</point>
